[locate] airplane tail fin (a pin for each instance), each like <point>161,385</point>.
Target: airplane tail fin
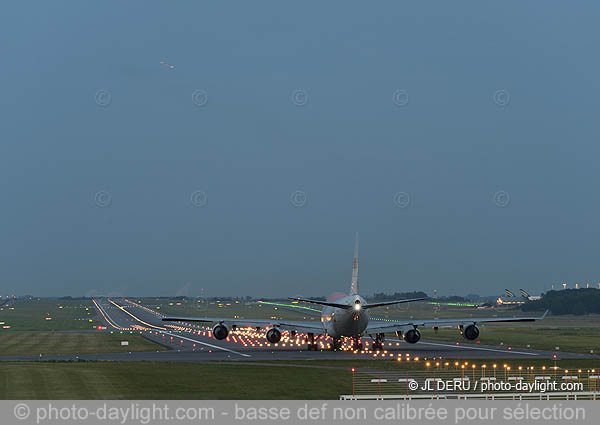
<point>354,285</point>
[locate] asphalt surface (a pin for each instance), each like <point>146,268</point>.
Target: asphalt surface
<point>191,343</point>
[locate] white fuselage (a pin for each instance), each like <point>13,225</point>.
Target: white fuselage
<point>341,322</point>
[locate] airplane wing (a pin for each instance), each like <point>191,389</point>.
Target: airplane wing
<point>290,325</point>
<point>382,327</point>
<point>364,306</point>
<point>384,303</point>
<point>329,304</point>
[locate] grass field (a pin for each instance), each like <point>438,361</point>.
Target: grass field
<point>149,380</point>
<point>35,343</point>
<point>576,340</point>
<point>31,315</point>
<point>251,380</point>
<point>362,364</point>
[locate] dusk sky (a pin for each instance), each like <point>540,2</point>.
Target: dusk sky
<point>157,148</point>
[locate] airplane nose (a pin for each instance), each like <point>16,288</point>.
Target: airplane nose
<point>357,306</point>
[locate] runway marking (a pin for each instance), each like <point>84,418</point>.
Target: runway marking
<point>109,319</point>
<point>480,348</point>
<point>135,317</point>
<point>207,344</point>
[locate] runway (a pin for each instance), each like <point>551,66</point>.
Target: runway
<point>194,343</point>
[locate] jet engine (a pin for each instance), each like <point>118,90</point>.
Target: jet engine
<point>471,332</point>
<point>220,331</point>
<point>412,336</point>
<point>273,335</point>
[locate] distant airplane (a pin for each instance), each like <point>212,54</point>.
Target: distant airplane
<point>168,65</point>
<point>528,297</point>
<point>348,316</point>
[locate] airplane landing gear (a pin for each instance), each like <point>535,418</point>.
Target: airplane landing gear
<point>378,342</point>
<point>337,344</point>
<point>357,343</point>
<point>312,345</point>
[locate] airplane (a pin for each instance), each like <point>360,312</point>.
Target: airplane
<point>528,297</point>
<point>348,316</point>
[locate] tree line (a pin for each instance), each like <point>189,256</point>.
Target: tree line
<point>567,301</point>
